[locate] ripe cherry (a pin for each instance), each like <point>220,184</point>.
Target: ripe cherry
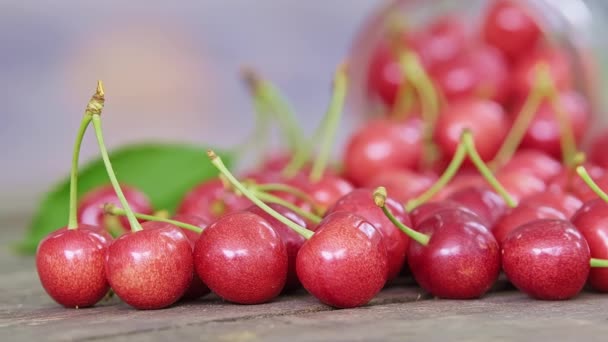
<point>70,261</point>
<point>487,204</point>
<point>524,73</point>
<point>524,213</point>
<point>453,254</point>
<point>429,209</point>
<point>544,132</point>
<point>197,288</point>
<point>402,184</point>
<point>211,200</point>
<point>535,162</point>
<point>555,198</point>
<point>292,240</point>
<point>90,208</point>
<point>70,264</point>
<point>592,221</point>
<point>485,119</point>
<point>242,259</point>
<point>510,28</point>
<point>360,201</point>
<point>482,72</point>
<point>546,259</point>
<point>382,144</point>
<point>597,154</point>
<point>520,184</point>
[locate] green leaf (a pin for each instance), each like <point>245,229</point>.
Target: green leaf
<point>164,172</point>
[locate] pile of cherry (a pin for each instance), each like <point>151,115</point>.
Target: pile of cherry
<point>446,187</point>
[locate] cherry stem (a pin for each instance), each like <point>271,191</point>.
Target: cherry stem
<point>486,173</point>
<point>269,187</point>
<point>598,262</point>
<point>135,226</point>
<point>446,177</point>
<point>270,198</point>
<point>111,209</point>
<point>380,200</point>
<point>217,162</point>
<point>258,138</point>
<point>529,109</point>
<point>113,225</point>
<point>567,138</point>
<point>582,172</point>
<point>330,127</point>
<point>416,75</point>
<point>95,105</point>
<point>270,95</point>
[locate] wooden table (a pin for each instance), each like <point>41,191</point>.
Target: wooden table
<point>401,312</point>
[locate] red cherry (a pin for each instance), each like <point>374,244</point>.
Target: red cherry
<point>592,221</point>
<point>462,180</point>
<point>487,204</point>
<point>382,144</point>
<point>211,200</point>
<point>360,202</point>
<point>440,42</point>
<point>197,289</point>
<point>569,181</point>
<point>70,265</point>
<point>429,209</point>
<point>292,240</point>
<point>327,190</point>
<point>535,162</point>
<point>556,198</point>
<point>90,208</point>
<point>486,120</point>
<point>546,259</point>
<point>242,259</point>
<point>525,73</point>
<point>598,153</point>
<point>344,264</point>
<point>586,194</point>
<point>403,185</point>
<point>510,28</point>
<point>151,268</point>
<point>520,184</point>
<point>384,76</point>
<point>461,260</point>
<point>544,131</point>
<point>524,213</point>
<point>482,72</point>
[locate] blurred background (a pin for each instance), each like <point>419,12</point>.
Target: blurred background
<point>170,70</point>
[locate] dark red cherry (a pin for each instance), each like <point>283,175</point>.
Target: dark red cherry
<point>403,185</point>
<point>461,260</point>
<point>546,259</point>
<point>487,204</point>
<point>211,200</point>
<point>344,264</point>
<point>292,240</point>
<point>197,289</point>
<point>483,72</point>
<point>242,259</point>
<point>380,145</point>
<point>524,213</point>
<point>150,268</point>
<point>90,207</point>
<point>509,27</point>
<point>535,162</point>
<point>556,198</point>
<point>592,221</point>
<point>598,154</point>
<point>524,73</point>
<point>544,131</point>
<point>360,202</point>
<point>486,120</point>
<point>70,265</point>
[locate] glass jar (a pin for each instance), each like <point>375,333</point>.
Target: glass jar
<point>574,26</point>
